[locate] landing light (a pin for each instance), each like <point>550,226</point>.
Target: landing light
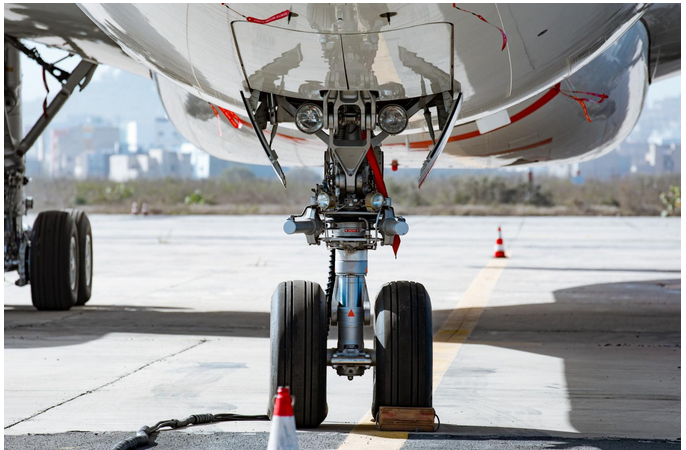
<point>324,200</point>
<point>392,119</point>
<point>374,201</point>
<point>309,118</point>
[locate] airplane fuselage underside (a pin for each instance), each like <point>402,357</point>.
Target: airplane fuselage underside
<point>209,53</point>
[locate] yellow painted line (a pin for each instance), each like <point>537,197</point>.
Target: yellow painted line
<point>456,329</point>
<point>448,342</point>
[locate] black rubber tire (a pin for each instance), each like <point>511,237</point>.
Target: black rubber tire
<point>403,374</point>
<point>50,261</point>
<point>83,231</point>
<point>298,335</point>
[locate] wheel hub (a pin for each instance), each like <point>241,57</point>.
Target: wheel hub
<point>87,261</point>
<point>72,263</point>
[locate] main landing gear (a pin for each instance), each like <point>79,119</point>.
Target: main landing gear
<point>351,214</point>
<point>56,255</point>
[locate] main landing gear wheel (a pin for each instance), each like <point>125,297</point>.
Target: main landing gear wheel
<point>54,265</point>
<point>403,375</point>
<point>298,349</point>
<point>85,236</point>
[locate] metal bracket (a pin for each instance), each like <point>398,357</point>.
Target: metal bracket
<point>59,74</point>
<point>80,76</point>
<point>349,153</point>
<point>442,140</point>
<point>271,154</point>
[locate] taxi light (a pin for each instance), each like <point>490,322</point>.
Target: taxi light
<point>392,119</point>
<point>309,118</point>
<point>374,201</point>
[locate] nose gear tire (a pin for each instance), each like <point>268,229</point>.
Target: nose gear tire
<point>298,335</point>
<point>403,374</point>
<point>52,287</point>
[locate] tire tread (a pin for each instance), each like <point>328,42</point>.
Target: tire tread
<point>403,374</point>
<point>299,340</point>
<point>49,261</point>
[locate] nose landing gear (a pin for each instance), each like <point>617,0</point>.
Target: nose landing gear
<point>351,214</point>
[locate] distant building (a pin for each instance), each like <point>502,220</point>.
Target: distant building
<point>132,136</point>
<point>125,167</point>
<point>67,144</point>
<point>200,160</point>
<point>170,164</point>
<point>166,135</point>
<point>663,158</point>
<point>91,165</point>
<point>158,163</point>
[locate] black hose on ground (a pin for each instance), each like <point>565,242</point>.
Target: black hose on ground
<point>145,433</point>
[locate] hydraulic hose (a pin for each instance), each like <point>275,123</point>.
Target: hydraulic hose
<point>144,434</point>
<point>332,280</point>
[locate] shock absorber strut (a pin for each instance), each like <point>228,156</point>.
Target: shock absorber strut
<point>352,306</point>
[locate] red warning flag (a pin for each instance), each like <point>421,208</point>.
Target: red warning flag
<point>378,179</point>
<point>582,101</point>
<point>281,15</point>
<point>231,116</point>
<point>484,20</point>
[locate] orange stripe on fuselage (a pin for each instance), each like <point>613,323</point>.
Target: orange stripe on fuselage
<point>535,106</point>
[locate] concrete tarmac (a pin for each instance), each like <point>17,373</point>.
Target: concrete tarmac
<point>577,342</point>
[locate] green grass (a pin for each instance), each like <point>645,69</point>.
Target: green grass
<point>239,192</point>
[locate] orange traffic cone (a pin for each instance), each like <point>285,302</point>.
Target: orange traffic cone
<point>499,247</point>
<point>282,435</point>
<point>144,209</point>
<point>134,208</point>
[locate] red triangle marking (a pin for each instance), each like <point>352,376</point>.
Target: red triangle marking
<point>351,313</point>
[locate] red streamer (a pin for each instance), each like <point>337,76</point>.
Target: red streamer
<point>216,114</point>
<point>582,101</point>
<point>281,15</point>
<point>231,116</point>
<point>47,91</point>
<point>378,179</point>
<point>484,20</point>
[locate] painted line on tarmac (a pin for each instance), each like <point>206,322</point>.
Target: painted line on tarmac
<point>448,342</point>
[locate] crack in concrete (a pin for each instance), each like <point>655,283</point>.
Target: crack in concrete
<point>41,324</point>
<point>106,384</point>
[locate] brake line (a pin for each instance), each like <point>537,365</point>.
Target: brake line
<point>145,433</point>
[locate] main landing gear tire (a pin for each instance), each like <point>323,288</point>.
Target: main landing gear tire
<point>298,349</point>
<point>85,236</point>
<point>54,265</point>
<point>403,374</point>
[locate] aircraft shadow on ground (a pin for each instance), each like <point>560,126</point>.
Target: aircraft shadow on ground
<point>592,328</point>
<point>27,328</point>
<point>620,343</point>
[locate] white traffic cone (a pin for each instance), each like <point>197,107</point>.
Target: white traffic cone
<point>134,208</point>
<point>282,435</point>
<point>144,209</point>
<point>499,246</point>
